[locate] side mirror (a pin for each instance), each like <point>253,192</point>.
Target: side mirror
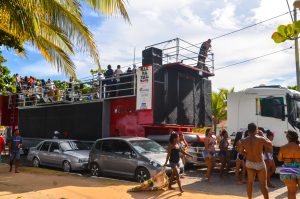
<point>56,151</point>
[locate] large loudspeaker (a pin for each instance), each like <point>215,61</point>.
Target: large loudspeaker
<point>152,56</point>
<point>206,97</point>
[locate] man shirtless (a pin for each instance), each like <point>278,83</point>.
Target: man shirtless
<point>253,147</point>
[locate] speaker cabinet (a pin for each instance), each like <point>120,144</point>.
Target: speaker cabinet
<point>152,56</point>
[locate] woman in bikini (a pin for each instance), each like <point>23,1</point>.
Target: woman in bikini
<point>240,161</point>
<point>270,164</point>
<point>290,171</point>
<point>184,146</point>
<point>173,157</point>
<point>224,153</point>
<point>210,153</point>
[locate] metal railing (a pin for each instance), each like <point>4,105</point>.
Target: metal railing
<point>95,89</point>
<point>178,50</point>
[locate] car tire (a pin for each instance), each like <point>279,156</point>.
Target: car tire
<point>66,166</point>
<point>142,174</point>
<point>95,170</point>
<point>35,162</point>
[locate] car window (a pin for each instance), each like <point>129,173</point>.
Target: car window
<point>45,146</point>
<point>98,145</point>
<point>122,147</point>
<point>39,146</point>
<point>108,145</point>
<point>54,146</point>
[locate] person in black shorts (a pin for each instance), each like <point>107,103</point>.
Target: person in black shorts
<point>240,161</point>
<point>224,153</point>
<point>173,157</point>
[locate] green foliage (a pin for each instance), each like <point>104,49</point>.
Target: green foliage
<point>54,27</point>
<point>219,105</point>
<point>60,84</point>
<point>95,72</point>
<point>286,32</point>
<point>7,82</point>
<point>293,88</point>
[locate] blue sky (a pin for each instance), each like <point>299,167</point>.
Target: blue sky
<point>193,20</point>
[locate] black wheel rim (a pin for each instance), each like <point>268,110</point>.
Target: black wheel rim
<point>94,170</point>
<point>142,176</point>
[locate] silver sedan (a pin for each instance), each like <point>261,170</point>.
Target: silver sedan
<point>69,155</point>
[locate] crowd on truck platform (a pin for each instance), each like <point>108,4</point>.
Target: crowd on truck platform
<point>114,83</point>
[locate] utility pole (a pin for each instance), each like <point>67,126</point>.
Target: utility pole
<point>296,5</point>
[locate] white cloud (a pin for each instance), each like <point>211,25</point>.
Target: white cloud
<point>195,21</point>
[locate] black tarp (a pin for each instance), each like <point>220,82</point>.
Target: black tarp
<point>75,121</point>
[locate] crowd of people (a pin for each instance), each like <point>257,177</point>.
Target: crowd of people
<point>253,151</point>
<point>32,90</point>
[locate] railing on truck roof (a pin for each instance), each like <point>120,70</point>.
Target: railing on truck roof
<point>92,90</point>
<point>179,50</point>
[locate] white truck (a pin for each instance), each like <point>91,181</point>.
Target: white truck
<point>271,107</point>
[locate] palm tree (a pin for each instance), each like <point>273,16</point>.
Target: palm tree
<point>219,105</point>
<point>54,27</point>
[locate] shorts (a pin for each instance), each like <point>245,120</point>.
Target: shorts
<point>15,155</point>
<point>223,154</point>
<point>257,166</point>
<point>290,171</point>
<point>206,153</point>
<point>240,157</point>
<point>174,165</point>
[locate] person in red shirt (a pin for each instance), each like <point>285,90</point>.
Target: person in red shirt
<point>2,146</point>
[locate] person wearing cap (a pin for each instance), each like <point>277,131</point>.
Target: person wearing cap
<point>289,154</point>
<point>15,145</point>
<point>269,160</point>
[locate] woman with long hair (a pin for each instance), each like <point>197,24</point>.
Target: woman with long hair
<point>209,154</point>
<point>240,161</point>
<point>290,171</point>
<point>224,153</point>
<point>173,157</point>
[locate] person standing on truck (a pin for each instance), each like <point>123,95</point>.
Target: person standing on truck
<point>290,171</point>
<point>269,160</point>
<point>15,145</point>
<point>209,153</point>
<point>173,157</point>
<point>240,160</point>
<point>224,153</point>
<point>203,55</point>
<point>253,147</point>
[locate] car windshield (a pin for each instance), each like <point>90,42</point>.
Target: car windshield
<point>147,146</point>
<point>74,146</point>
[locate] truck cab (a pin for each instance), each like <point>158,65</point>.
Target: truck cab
<point>272,107</point>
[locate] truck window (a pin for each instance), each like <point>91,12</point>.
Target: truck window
<point>272,107</point>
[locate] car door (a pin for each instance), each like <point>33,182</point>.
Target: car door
<point>44,153</point>
<point>108,160</point>
<point>55,155</point>
<point>126,161</point>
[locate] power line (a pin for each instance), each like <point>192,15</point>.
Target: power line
<point>248,60</point>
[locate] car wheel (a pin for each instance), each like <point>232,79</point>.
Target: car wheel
<point>142,174</point>
<point>95,170</point>
<point>35,162</point>
<point>66,166</point>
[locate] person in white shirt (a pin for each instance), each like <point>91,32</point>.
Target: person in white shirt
<point>118,72</point>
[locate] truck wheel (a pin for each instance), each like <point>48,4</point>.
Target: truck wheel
<point>67,166</point>
<point>142,174</point>
<point>35,162</point>
<point>95,170</point>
